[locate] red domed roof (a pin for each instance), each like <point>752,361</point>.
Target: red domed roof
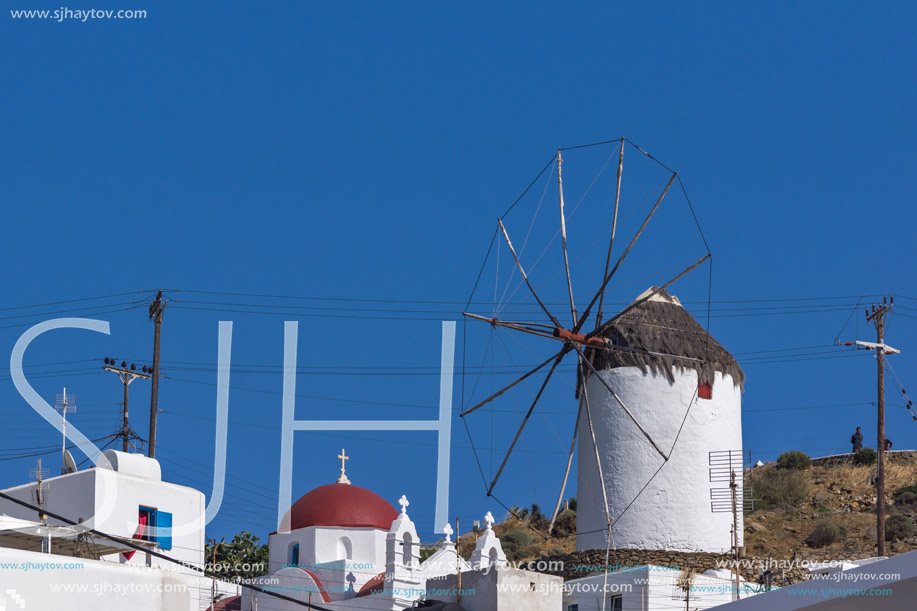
<point>342,505</point>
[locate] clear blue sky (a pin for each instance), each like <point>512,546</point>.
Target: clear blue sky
<point>313,150</point>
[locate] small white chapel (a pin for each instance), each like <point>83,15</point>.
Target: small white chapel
<point>341,547</point>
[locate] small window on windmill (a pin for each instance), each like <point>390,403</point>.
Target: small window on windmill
<point>705,390</point>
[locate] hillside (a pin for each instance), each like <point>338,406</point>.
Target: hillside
<point>825,511</point>
<point>835,493</point>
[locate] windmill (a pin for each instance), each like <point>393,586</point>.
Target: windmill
<point>588,336</point>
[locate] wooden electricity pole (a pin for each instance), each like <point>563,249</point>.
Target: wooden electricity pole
<point>156,310</point>
<point>458,564</point>
<point>876,315</point>
<point>733,486</point>
<point>126,375</point>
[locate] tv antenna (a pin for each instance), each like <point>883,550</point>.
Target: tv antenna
<point>724,466</point>
<point>65,403</point>
<point>126,374</point>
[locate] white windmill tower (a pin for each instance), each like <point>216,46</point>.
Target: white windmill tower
<point>672,365</point>
<point>657,394</point>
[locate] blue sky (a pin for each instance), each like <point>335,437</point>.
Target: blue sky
<point>364,153</point>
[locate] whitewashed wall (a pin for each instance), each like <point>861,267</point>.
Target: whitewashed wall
<point>650,588</point>
<point>320,545</point>
<point>89,584</point>
<point>673,513</point>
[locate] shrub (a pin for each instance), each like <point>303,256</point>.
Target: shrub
<point>906,500</point>
<point>565,525</point>
<point>864,456</point>
<point>537,520</point>
<point>912,489</point>
<point>794,459</point>
<point>516,538</point>
<point>898,527</point>
<point>514,542</point>
<point>780,487</point>
<point>826,533</point>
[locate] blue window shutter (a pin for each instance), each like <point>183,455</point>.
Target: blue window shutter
<point>164,529</point>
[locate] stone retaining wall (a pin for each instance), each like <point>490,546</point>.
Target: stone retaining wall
<point>589,562</point>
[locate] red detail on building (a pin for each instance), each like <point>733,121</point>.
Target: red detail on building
<point>705,391</point>
<point>342,505</point>
<point>231,603</point>
<point>374,586</point>
<point>138,534</point>
<point>318,583</point>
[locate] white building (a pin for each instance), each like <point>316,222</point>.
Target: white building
<point>888,584</point>
<point>129,501</point>
<point>664,363</point>
<point>347,548</point>
<point>653,588</point>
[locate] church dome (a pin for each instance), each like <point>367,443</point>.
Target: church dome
<point>344,506</point>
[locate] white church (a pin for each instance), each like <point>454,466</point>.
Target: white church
<point>345,547</point>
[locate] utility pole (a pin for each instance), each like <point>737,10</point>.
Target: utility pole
<point>458,563</point>
<point>876,315</point>
<point>156,310</point>
<point>735,525</point>
<point>65,403</point>
<point>126,375</point>
<point>39,495</point>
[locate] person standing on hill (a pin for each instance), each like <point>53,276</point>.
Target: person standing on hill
<point>857,440</point>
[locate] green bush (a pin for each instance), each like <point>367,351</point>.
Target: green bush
<point>780,487</point>
<point>906,500</point>
<point>516,538</point>
<point>898,527</point>
<point>794,459</point>
<point>565,525</point>
<point>912,489</point>
<point>826,533</point>
<point>864,456</point>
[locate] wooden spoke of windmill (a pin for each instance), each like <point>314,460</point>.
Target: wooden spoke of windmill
<point>573,338</point>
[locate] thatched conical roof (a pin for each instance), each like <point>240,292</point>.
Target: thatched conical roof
<point>655,333</point>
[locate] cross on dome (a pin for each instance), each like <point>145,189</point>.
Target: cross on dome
<point>447,530</point>
<point>403,501</point>
<point>489,520</point>
<point>342,479</point>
